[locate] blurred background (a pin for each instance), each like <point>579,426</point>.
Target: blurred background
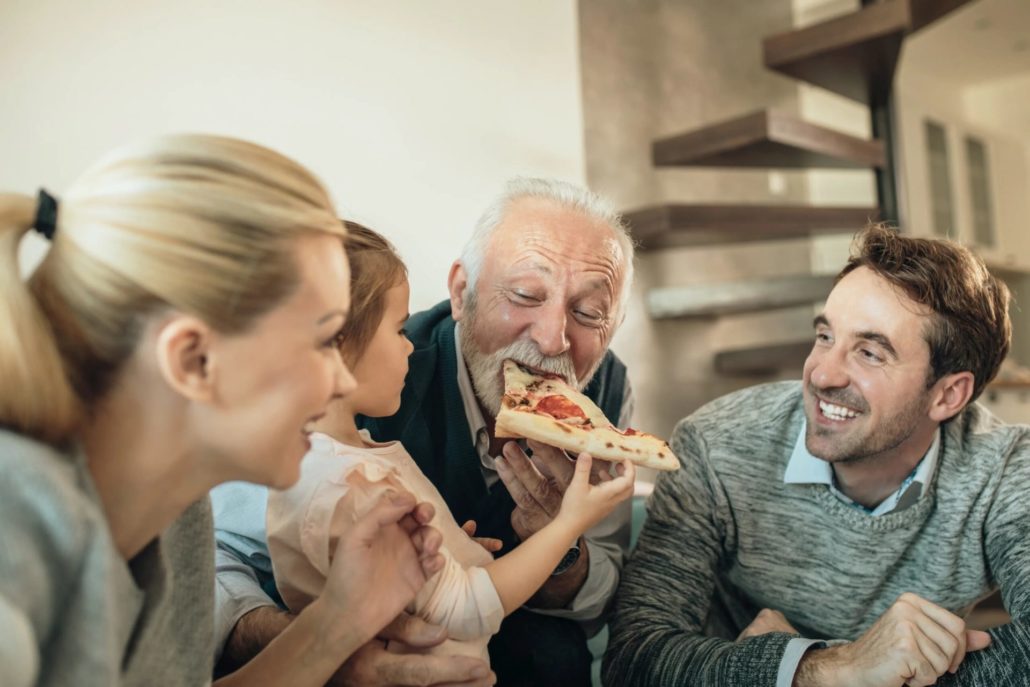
<point>747,140</point>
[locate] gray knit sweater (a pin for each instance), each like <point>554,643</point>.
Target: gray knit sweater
<point>82,615</point>
<point>725,537</point>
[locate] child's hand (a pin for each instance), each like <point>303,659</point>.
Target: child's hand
<point>585,504</point>
<point>381,563</point>
<point>489,543</point>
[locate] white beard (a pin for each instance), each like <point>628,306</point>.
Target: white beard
<point>485,368</point>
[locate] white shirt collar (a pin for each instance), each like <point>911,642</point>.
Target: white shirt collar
<point>804,468</point>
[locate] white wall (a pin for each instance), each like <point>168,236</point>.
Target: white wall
<point>996,111</point>
<point>413,113</point>
<point>1001,104</point>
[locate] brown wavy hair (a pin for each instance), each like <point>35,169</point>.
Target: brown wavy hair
<point>375,268</point>
<point>970,328</point>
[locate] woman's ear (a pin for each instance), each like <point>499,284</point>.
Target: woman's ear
<point>185,357</point>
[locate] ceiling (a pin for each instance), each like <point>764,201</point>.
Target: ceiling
<point>981,42</point>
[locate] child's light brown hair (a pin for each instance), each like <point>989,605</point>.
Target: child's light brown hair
<point>375,268</point>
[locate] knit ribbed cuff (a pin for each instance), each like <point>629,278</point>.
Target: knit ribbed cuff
<point>756,661</point>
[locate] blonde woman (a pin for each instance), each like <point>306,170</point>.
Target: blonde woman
<point>182,331</point>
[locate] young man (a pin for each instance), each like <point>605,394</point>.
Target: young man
<point>869,507</point>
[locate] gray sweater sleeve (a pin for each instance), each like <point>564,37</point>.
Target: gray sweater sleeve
<point>1007,544</point>
<point>657,629</point>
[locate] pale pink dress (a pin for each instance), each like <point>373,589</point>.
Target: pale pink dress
<point>339,484</point>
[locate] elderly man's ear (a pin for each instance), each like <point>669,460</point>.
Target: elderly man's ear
<point>457,281</point>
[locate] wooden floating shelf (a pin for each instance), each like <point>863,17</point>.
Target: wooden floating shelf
<point>707,300</point>
<point>671,225</point>
<point>854,55</point>
<point>768,138</point>
<point>763,358</point>
<point>926,12</point>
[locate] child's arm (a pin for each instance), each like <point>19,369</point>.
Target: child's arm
<point>519,574</point>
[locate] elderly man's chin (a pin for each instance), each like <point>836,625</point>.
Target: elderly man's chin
<point>487,375</point>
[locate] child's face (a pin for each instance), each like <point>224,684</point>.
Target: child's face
<point>381,369</point>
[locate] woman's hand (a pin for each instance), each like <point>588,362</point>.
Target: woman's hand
<point>585,504</point>
<point>381,563</point>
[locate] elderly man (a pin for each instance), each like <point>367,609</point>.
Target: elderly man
<point>544,281</point>
<point>869,506</point>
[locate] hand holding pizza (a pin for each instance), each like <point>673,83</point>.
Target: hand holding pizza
<point>537,495</point>
<point>558,465</point>
<point>556,418</point>
<point>585,504</point>
<point>538,484</point>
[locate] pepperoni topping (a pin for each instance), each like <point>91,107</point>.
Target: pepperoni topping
<point>630,432</point>
<point>560,408</point>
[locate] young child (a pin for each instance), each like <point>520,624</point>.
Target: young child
<point>346,471</point>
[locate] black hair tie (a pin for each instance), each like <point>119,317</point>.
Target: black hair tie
<point>46,214</point>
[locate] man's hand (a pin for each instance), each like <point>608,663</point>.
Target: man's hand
<point>767,620</point>
<point>537,484</point>
<point>913,643</point>
<point>373,666</point>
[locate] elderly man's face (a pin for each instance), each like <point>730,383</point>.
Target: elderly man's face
<point>547,296</point>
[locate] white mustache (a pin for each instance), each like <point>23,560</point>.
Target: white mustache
<point>485,370</point>
<point>528,354</point>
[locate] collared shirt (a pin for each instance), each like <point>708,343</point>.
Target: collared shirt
<point>607,542</point>
<point>804,468</point>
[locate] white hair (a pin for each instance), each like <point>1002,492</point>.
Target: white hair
<point>563,194</point>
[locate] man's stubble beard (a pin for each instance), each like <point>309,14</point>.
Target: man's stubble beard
<point>485,368</point>
<point>876,441</point>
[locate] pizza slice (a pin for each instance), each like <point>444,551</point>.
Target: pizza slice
<point>544,408</point>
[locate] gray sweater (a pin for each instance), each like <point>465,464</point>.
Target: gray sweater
<point>92,618</point>
<point>726,537</point>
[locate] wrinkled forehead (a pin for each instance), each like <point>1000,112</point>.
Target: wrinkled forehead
<point>542,229</point>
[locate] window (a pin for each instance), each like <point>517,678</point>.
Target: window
<point>940,179</point>
<point>980,191</point>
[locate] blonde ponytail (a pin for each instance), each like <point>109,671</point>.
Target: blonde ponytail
<point>35,397</point>
<point>205,225</point>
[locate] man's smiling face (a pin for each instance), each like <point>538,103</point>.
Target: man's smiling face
<point>865,381</point>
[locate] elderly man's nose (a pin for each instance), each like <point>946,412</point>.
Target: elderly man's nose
<point>549,331</point>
